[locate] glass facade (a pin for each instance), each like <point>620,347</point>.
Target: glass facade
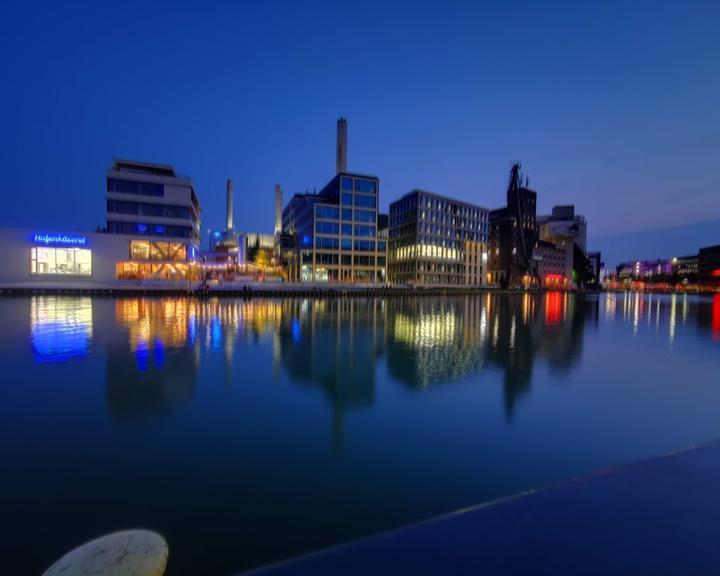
<point>61,261</point>
<point>339,225</point>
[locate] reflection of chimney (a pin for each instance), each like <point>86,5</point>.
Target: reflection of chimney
<point>342,143</point>
<point>229,221</point>
<point>278,209</point>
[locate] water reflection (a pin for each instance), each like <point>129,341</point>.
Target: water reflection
<point>335,345</point>
<point>61,327</point>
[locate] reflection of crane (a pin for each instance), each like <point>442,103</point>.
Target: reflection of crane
<point>513,192</point>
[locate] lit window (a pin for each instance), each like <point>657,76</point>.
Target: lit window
<point>64,261</point>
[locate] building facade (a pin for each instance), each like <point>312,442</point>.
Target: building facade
<point>551,265</point>
<point>709,265</point>
<point>145,199</point>
<point>335,235</point>
<point>78,260</point>
<point>437,241</point>
<point>566,230</point>
<point>513,234</point>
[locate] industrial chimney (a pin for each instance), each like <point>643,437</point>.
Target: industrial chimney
<point>342,143</point>
<point>278,209</point>
<point>229,221</point>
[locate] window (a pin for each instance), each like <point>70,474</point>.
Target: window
<point>364,245</point>
<point>364,230</point>
<point>381,246</point>
<point>347,213</point>
<point>364,261</point>
<point>327,227</point>
<point>64,261</point>
<point>365,201</point>
<point>365,216</point>
<point>346,184</point>
<point>132,187</point>
<point>346,244</point>
<point>326,243</point>
<point>347,198</point>
<point>329,212</point>
<point>364,186</point>
<point>347,229</point>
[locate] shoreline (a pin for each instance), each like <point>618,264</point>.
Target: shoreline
<point>249,291</point>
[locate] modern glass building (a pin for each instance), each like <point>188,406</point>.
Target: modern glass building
<point>145,199</point>
<point>334,233</point>
<point>435,240</point>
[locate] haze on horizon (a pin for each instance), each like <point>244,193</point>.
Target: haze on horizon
<point>611,107</point>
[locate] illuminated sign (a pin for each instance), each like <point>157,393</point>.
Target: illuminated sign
<point>59,239</point>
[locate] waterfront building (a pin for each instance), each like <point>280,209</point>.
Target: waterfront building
<point>551,265</point>
<point>709,265</point>
<point>145,199</point>
<point>644,269</point>
<point>334,233</point>
<point>47,258</point>
<point>686,267</point>
<point>437,241</point>
<point>513,234</point>
<point>596,264</point>
<point>566,230</point>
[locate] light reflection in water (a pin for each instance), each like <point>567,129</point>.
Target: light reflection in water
<point>61,327</point>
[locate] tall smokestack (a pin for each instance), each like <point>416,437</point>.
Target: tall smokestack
<point>278,209</point>
<point>342,144</point>
<point>229,221</point>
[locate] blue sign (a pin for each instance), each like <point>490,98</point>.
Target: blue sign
<point>59,239</point>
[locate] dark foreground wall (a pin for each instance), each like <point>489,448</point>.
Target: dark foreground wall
<point>660,516</point>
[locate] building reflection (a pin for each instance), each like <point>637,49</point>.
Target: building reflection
<point>61,327</point>
<point>154,367</point>
<point>334,344</point>
<point>434,341</point>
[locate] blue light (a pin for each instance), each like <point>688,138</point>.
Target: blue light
<point>296,330</point>
<point>142,356</point>
<point>59,239</point>
<point>306,240</point>
<point>142,228</point>
<point>159,353</point>
<point>160,229</point>
<point>58,341</point>
<point>216,234</point>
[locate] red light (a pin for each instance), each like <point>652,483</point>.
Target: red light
<point>715,273</point>
<point>716,317</point>
<point>553,308</point>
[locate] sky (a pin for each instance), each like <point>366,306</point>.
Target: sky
<point>611,106</point>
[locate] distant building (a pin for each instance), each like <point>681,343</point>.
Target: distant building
<point>551,265</point>
<point>566,230</point>
<point>435,240</point>
<point>513,234</point>
<point>709,264</point>
<point>596,264</point>
<point>686,267</point>
<point>644,269</point>
<point>334,234</point>
<point>145,199</point>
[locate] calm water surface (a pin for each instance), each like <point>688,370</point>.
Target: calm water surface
<point>247,432</point>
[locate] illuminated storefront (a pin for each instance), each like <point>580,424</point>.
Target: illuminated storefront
<point>42,259</point>
<point>157,261</point>
<point>70,261</point>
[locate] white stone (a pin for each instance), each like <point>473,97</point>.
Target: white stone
<point>127,553</point>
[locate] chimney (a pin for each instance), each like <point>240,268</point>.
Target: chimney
<point>229,222</point>
<point>342,143</point>
<point>278,209</point>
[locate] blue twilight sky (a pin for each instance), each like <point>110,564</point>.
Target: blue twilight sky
<point>613,106</point>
